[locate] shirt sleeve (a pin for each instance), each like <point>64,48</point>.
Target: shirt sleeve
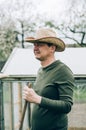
<point>65,102</point>
<point>63,105</point>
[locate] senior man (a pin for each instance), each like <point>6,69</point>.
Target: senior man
<point>52,93</point>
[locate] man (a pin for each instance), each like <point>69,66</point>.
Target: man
<point>52,93</point>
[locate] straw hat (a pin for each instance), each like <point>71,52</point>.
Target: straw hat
<point>47,36</point>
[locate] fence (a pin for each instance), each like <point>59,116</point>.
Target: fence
<point>13,104</point>
<point>75,128</point>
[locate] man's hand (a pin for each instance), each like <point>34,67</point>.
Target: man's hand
<point>30,95</point>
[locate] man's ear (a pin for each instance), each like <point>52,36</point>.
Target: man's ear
<point>53,48</point>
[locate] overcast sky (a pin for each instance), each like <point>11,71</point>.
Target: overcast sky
<point>52,7</point>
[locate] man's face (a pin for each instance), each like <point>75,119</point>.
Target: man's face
<point>42,51</point>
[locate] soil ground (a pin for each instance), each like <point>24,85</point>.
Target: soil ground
<point>77,117</point>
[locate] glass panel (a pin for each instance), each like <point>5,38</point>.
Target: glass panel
<point>77,118</point>
<point>7,91</point>
<point>13,105</point>
<point>80,92</point>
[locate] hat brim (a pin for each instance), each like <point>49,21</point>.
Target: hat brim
<point>60,45</point>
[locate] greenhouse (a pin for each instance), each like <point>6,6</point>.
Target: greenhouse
<point>20,68</point>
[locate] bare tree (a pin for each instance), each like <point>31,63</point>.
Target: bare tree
<point>7,41</point>
<point>73,26</point>
<point>16,21</point>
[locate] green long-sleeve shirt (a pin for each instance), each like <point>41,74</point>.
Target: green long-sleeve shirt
<point>55,84</point>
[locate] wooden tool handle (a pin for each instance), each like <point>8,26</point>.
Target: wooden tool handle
<point>24,110</point>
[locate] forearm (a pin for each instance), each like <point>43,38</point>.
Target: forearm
<point>56,105</point>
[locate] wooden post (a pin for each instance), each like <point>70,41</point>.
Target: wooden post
<point>20,99</point>
<point>11,107</point>
<point>1,107</point>
<point>23,113</point>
